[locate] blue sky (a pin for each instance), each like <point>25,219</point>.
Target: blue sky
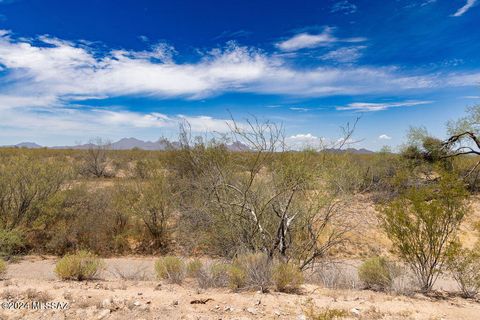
<point>72,70</point>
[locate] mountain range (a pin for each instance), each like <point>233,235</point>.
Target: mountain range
<point>162,144</point>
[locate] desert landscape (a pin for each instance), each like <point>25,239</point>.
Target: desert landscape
<point>228,160</point>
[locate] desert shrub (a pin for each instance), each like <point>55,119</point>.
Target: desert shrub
<point>193,268</point>
<point>257,269</point>
<point>214,275</point>
<point>146,168</point>
<point>82,265</point>
<point>154,208</point>
<point>376,273</point>
<point>423,222</point>
<point>170,268</point>
<point>3,268</point>
<point>464,265</point>
<point>287,277</point>
<point>77,225</point>
<point>336,275</point>
<point>11,242</point>
<point>313,313</point>
<point>258,201</point>
<point>236,277</point>
<point>26,184</point>
<point>96,159</point>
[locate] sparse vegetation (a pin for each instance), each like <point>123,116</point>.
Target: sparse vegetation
<point>266,216</point>
<point>376,273</point>
<point>170,268</point>
<point>194,267</point>
<point>287,277</point>
<point>3,269</point>
<point>82,265</point>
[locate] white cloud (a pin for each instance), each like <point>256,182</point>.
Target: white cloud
<point>344,55</point>
<point>471,97</point>
<point>61,72</point>
<point>344,7</point>
<point>304,140</point>
<point>299,109</point>
<point>306,40</point>
<point>371,107</point>
<point>384,137</point>
<point>460,12</point>
<point>84,123</point>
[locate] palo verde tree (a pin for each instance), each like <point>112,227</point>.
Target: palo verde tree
<point>423,222</point>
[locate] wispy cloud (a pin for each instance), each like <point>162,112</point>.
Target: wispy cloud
<point>372,107</point>
<point>51,71</point>
<point>344,55</point>
<point>384,137</point>
<point>299,109</point>
<point>460,12</point>
<point>344,7</point>
<point>307,40</point>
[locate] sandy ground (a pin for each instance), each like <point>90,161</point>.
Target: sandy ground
<point>128,290</point>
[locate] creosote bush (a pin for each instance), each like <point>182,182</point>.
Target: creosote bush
<point>287,277</point>
<point>193,268</point>
<point>11,242</point>
<point>82,265</point>
<point>170,268</point>
<point>422,224</point>
<point>376,273</point>
<point>236,277</point>
<point>3,268</point>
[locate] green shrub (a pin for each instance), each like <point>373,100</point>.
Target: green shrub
<point>376,273</point>
<point>170,268</point>
<point>11,242</point>
<point>194,267</point>
<point>287,277</point>
<point>237,277</point>
<point>82,265</point>
<point>465,268</point>
<point>3,268</point>
<point>422,224</point>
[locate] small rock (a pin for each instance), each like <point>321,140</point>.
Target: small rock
<point>302,317</point>
<point>103,313</point>
<point>228,308</point>
<point>175,303</point>
<point>139,293</point>
<point>106,303</point>
<point>137,303</point>
<point>355,311</point>
<point>278,313</point>
<point>158,287</point>
<point>252,311</point>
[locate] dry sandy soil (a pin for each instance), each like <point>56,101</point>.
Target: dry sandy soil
<point>139,296</point>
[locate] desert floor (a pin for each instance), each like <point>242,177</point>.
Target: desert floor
<point>128,290</point>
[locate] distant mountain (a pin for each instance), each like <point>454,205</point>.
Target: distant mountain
<point>164,144</point>
<point>132,143</point>
<point>28,145</point>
